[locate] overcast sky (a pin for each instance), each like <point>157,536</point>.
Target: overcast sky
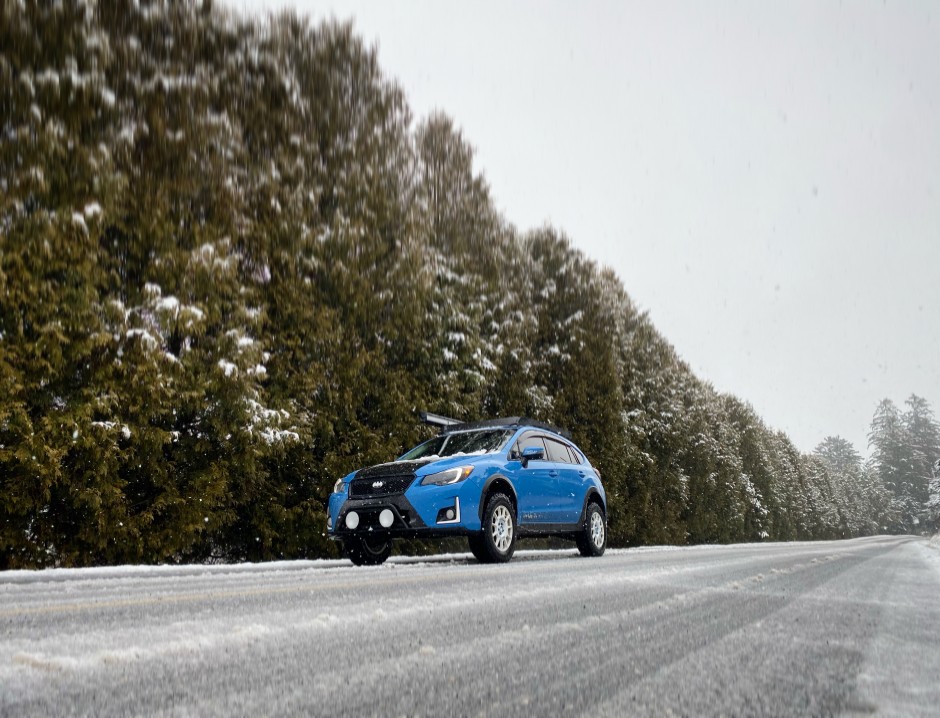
<point>763,177</point>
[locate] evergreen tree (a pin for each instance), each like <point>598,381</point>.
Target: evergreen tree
<point>888,441</point>
<point>924,433</point>
<point>465,252</point>
<point>860,499</point>
<point>231,271</point>
<point>933,498</point>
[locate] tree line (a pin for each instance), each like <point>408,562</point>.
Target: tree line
<point>233,268</point>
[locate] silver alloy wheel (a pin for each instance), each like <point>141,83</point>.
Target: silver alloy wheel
<point>501,529</point>
<point>597,529</point>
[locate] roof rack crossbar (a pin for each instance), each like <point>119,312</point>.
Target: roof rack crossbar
<point>509,421</point>
<point>438,420</point>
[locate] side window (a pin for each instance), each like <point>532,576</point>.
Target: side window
<point>557,452</point>
<point>528,440</point>
<point>575,457</point>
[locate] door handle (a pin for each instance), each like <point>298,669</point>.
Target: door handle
<point>553,473</point>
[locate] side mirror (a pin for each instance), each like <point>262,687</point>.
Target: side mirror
<point>532,453</point>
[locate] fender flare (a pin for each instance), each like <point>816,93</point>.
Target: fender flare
<point>593,493</point>
<point>514,497</point>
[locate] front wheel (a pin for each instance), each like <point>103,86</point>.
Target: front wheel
<point>592,539</point>
<point>497,541</point>
<point>366,551</point>
<point>477,548</point>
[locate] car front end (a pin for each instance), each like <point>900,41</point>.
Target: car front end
<point>410,499</point>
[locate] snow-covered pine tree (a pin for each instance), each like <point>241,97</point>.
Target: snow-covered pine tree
<point>231,272</point>
<point>933,499</point>
<point>891,458</point>
<point>924,434</point>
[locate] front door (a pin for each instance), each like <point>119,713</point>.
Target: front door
<point>535,484</point>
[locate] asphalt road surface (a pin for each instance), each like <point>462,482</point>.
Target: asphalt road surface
<point>836,628</point>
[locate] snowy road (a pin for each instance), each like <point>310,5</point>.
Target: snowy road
<point>847,627</point>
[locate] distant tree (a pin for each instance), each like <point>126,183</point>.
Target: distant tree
<point>859,495</point>
<point>891,458</point>
<point>933,499</point>
<point>924,435</point>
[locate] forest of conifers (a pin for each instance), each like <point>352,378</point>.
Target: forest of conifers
<point>233,268</point>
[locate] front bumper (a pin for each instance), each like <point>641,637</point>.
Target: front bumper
<point>407,521</point>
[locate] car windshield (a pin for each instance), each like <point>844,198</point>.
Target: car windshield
<point>460,443</point>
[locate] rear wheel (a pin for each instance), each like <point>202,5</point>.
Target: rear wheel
<point>592,539</point>
<point>368,551</point>
<point>497,541</point>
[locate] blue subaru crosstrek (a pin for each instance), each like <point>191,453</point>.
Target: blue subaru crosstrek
<point>491,481</point>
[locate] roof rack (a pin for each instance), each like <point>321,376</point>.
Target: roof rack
<point>510,421</point>
<point>438,420</point>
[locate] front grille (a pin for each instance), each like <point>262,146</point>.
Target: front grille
<point>380,486</point>
<point>394,468</point>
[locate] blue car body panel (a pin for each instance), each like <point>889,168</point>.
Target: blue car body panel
<point>549,496</point>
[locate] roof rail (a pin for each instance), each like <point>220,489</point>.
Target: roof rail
<point>509,421</point>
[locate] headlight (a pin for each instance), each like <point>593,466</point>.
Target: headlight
<point>450,476</point>
<point>339,487</point>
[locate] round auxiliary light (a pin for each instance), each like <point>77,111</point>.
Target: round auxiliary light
<point>352,520</point>
<point>386,518</point>
<point>450,514</point>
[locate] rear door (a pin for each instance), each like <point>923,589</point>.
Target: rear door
<point>567,482</point>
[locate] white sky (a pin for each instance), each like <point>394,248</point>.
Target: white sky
<point>764,177</point>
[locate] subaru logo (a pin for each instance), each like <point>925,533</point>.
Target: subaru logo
<point>378,484</point>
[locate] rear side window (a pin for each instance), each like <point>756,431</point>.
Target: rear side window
<point>575,457</point>
<point>557,452</point>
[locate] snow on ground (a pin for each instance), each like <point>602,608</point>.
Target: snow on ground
<point>774,628</point>
<point>139,595</point>
<point>142,570</point>
<point>931,551</point>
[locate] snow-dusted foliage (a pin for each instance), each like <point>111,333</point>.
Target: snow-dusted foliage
<point>905,450</point>
<point>232,270</point>
<point>933,498</point>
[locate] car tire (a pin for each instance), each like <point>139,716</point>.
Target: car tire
<point>367,552</point>
<point>476,547</point>
<point>497,540</point>
<point>592,539</point>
